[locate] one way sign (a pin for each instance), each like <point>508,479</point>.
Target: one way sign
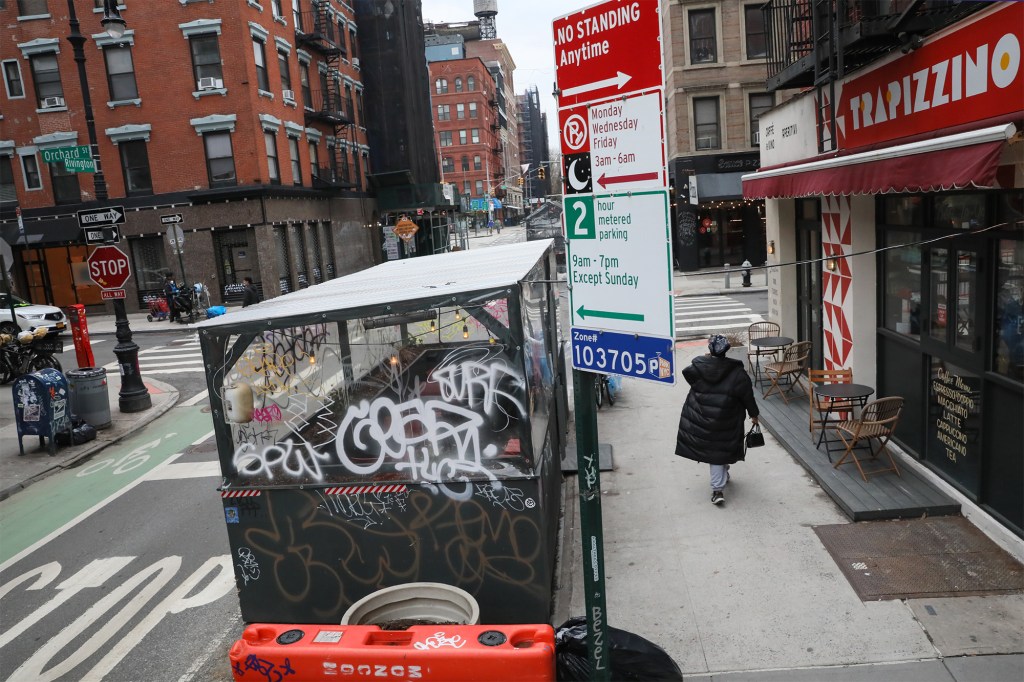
<point>113,215</point>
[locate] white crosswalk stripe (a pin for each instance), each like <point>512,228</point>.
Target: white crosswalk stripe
<point>174,358</point>
<point>701,315</point>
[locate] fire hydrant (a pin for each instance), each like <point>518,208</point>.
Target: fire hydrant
<point>746,273</point>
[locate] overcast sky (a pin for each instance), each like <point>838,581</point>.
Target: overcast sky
<point>525,26</point>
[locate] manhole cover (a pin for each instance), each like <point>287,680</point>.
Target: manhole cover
<point>936,557</point>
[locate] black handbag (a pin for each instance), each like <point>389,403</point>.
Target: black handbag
<point>754,438</point>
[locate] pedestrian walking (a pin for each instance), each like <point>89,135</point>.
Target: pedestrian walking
<point>711,422</point>
<point>249,295</point>
<point>170,293</point>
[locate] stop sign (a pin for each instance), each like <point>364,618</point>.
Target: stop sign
<point>109,267</point>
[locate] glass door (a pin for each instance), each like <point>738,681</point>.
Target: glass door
<point>808,283</point>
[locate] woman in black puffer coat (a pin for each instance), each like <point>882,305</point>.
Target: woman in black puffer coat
<point>711,422</point>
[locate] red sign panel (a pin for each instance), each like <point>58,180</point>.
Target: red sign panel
<point>109,294</point>
<point>971,74</point>
<point>109,267</point>
<point>609,49</point>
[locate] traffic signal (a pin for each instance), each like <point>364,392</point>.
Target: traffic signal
<point>520,181</point>
<point>540,172</point>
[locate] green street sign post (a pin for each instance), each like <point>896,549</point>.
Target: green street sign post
<point>75,159</point>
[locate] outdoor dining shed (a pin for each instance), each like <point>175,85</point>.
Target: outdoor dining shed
<point>395,425</point>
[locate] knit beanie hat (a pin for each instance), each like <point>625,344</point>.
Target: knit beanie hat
<point>718,345</point>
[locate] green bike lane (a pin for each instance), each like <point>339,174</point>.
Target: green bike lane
<point>47,507</point>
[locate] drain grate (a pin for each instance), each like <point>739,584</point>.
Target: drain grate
<point>932,557</point>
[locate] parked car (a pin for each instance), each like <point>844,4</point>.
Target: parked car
<point>29,316</point>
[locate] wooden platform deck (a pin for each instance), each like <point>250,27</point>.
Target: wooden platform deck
<point>883,496</point>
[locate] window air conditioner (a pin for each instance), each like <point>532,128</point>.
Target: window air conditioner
<point>705,142</point>
<point>52,102</point>
<point>210,83</point>
<point>288,95</point>
<point>355,62</point>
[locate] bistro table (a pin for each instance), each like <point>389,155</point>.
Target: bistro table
<point>765,343</point>
<point>843,393</point>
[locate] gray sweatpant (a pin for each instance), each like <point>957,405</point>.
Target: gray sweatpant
<point>719,475</point>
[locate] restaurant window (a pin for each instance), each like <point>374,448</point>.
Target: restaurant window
<point>702,37</point>
<point>753,25</point>
<point>1008,358</point>
<point>66,189</point>
<point>705,123</point>
<point>938,291</point>
<point>960,211</point>
<point>902,305</point>
<point>903,210</point>
<point>135,165</point>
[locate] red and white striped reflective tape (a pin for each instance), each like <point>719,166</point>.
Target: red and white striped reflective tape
<point>360,489</point>
<point>240,493</point>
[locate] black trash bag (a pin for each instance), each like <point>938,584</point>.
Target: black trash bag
<point>631,656</point>
<point>80,432</point>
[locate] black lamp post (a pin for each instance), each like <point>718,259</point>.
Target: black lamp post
<point>134,396</point>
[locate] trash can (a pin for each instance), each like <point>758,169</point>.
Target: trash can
<point>40,407</point>
<point>90,401</point>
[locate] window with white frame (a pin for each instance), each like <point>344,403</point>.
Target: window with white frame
<point>273,168</point>
<point>472,110</point>
<point>307,94</point>
<point>32,8</point>
<point>480,187</point>
<point>467,186</point>
<point>470,83</point>
<point>12,79</point>
<point>760,102</point>
<point>703,43</point>
<point>314,159</point>
<point>120,73</point>
<point>475,135</point>
<point>706,126</point>
<point>220,161</point>
<point>444,112</point>
<point>447,164</point>
<point>462,137</point>
<point>259,54</point>
<point>446,138</point>
<point>275,8</point>
<point>46,76</point>
<point>753,27</point>
<point>458,84</point>
<point>286,74</point>
<point>460,111</point>
<point>477,163</point>
<point>30,171</point>
<point>138,181</point>
<point>293,153</point>
<point>465,162</point>
<point>441,86</point>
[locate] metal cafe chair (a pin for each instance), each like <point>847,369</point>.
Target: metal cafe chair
<point>760,330</point>
<point>877,422</point>
<point>789,371</point>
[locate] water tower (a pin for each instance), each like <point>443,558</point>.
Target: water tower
<point>485,11</point>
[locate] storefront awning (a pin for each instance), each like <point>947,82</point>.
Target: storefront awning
<point>968,159</point>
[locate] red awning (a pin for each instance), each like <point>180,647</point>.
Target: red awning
<point>968,159</point>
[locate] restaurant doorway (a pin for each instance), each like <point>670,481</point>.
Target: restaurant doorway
<point>808,279</point>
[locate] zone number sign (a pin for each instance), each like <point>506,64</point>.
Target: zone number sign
<point>109,267</point>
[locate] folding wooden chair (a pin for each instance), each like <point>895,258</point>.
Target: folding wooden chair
<point>819,407</point>
<point>789,370</point>
<point>760,330</point>
<point>877,422</point>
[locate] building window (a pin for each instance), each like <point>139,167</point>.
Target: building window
<point>293,152</point>
<point>282,65</point>
<point>120,73</point>
<point>297,16</point>
<point>462,137</point>
<point>46,77</point>
<point>475,135</point>
<point>447,164</point>
<point>260,56</point>
<point>479,187</point>
<point>472,109</point>
<point>30,8</point>
<point>359,107</point>
<point>760,102</point>
<point>307,95</point>
<point>66,189</point>
<point>353,43</point>
<point>444,112</point>
<point>30,171</point>
<point>477,164</point>
<point>275,8</point>
<point>465,163</point>
<point>466,186</point>
<point>458,84</point>
<point>12,79</point>
<point>135,166</point>
<point>314,159</point>
<point>273,168</point>
<point>460,111</point>
<point>8,192</point>
<point>206,57</point>
<point>705,123</point>
<point>1008,358</point>
<point>441,86</point>
<point>753,25</point>
<point>470,83</point>
<point>220,163</point>
<point>446,138</point>
<point>702,36</point>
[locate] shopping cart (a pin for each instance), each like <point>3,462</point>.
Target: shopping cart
<point>157,308</point>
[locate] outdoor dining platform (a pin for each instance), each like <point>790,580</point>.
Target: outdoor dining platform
<point>882,496</point>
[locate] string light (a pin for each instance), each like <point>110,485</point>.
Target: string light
<point>491,340</point>
<point>394,359</point>
<point>465,331</point>
<point>458,315</point>
<point>433,326</point>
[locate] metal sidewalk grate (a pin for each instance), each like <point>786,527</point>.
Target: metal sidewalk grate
<point>912,559</point>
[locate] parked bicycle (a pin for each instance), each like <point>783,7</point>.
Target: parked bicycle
<point>603,391</point>
<point>23,354</point>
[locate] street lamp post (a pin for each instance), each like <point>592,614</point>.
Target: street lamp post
<point>134,396</point>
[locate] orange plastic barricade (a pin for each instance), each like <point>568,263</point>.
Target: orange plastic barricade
<point>277,652</point>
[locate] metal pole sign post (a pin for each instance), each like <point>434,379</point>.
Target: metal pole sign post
<point>608,68</point>
<point>176,238</point>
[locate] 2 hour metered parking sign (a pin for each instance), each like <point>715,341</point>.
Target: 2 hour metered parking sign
<point>615,189</point>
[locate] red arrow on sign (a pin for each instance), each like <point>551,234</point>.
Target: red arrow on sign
<point>605,180</point>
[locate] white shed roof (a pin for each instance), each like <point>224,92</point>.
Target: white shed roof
<point>400,280</point>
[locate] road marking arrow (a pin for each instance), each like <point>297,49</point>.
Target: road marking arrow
<point>618,81</point>
<point>615,179</point>
<point>633,317</point>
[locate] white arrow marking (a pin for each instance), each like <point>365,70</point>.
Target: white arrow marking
<point>618,81</point>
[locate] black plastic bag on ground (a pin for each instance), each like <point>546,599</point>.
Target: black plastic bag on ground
<point>631,656</point>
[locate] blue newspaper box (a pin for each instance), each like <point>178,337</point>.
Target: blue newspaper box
<point>41,407</point>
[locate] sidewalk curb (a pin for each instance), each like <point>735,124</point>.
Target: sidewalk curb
<point>99,444</point>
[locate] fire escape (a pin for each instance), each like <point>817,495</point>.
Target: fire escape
<point>329,104</point>
<point>814,43</point>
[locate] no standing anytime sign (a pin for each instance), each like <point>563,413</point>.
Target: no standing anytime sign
<point>615,192</point>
